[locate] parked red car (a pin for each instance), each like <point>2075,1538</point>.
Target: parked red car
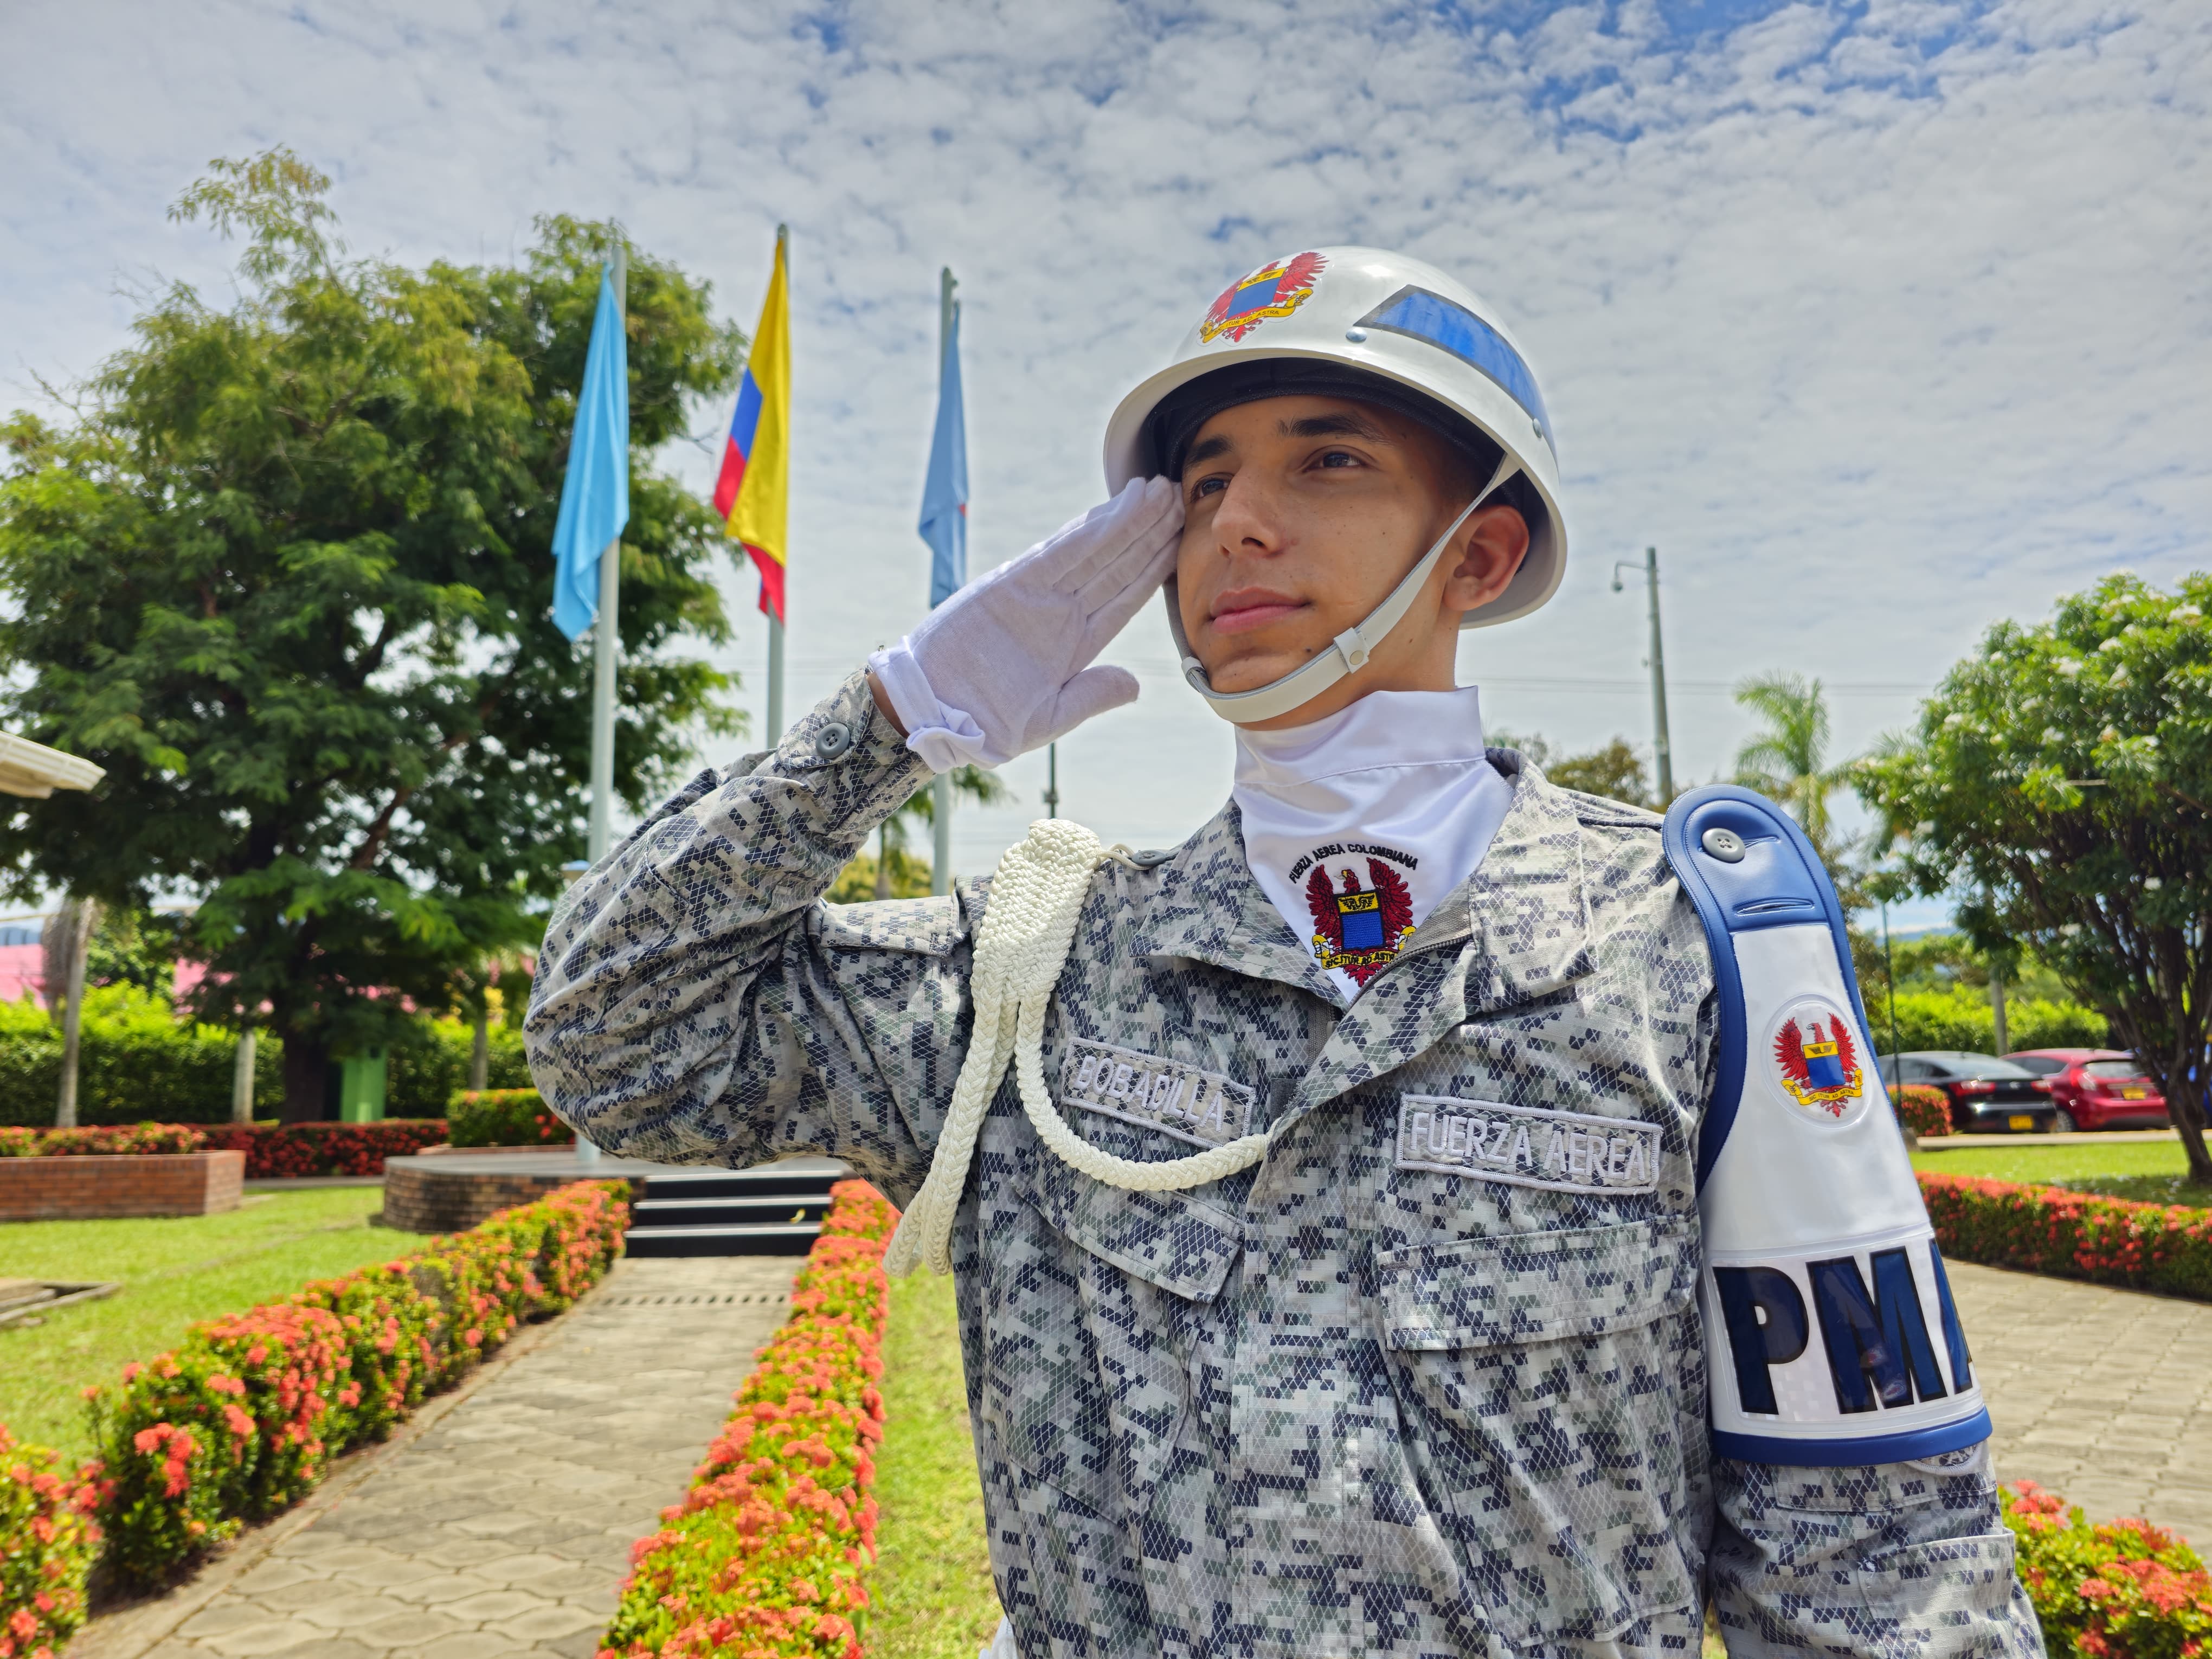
<point>2096,1088</point>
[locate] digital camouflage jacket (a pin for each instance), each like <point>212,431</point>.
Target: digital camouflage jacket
<point>1361,1398</point>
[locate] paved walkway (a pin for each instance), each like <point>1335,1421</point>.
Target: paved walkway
<point>502,1525</point>
<point>2104,1395</point>
<point>499,1523</point>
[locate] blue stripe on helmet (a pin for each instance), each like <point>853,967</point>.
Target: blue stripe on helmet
<point>1421,315</point>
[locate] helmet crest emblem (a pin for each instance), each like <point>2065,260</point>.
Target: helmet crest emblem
<point>1276,289</point>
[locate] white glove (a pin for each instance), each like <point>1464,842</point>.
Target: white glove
<point>1004,665</point>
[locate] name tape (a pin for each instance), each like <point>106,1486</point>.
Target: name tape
<point>1203,1108</point>
<point>1522,1146</point>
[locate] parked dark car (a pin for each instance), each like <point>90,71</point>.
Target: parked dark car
<point>2096,1088</point>
<point>1988,1095</point>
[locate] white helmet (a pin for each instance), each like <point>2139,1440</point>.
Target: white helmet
<point>1421,343</point>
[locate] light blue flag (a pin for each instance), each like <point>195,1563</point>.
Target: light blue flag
<point>944,497</point>
<point>595,495</point>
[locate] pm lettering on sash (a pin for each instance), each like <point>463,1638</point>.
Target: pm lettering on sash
<point>1523,1146</point>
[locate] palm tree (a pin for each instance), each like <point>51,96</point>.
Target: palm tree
<point>1787,762</point>
<point>977,785</point>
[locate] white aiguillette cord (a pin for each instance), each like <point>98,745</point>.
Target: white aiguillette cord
<point>1028,926</point>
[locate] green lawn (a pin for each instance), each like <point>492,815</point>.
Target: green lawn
<point>2149,1171</point>
<point>173,1273</point>
<point>932,1592</point>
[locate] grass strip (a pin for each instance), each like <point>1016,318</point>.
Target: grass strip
<point>2145,1172</point>
<point>932,1588</point>
<point>175,1273</point>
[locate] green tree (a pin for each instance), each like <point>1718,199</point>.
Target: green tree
<point>2062,776</point>
<point>285,573</point>
<point>1787,762</point>
<point>894,871</point>
<point>1614,772</point>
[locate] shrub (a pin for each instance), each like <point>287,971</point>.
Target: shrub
<point>2048,1230</point>
<point>243,1418</point>
<point>1961,1018</point>
<point>94,1142</point>
<point>2124,1589</point>
<point>276,1151</point>
<point>47,1541</point>
<point>765,1554</point>
<point>1926,1111</point>
<point>136,1060</point>
<point>505,1117</point>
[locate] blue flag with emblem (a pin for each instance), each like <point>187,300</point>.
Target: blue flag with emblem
<point>595,495</point>
<point>944,496</point>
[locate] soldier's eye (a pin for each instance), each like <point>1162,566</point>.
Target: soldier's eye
<point>1208,487</point>
<point>1340,458</point>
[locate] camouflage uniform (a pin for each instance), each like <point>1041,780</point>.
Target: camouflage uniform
<point>1335,1404</point>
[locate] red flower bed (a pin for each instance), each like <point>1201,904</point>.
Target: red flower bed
<point>242,1420</point>
<point>2125,1589</point>
<point>2048,1230</point>
<point>1926,1111</point>
<point>47,1541</point>
<point>279,1151</point>
<point>764,1556</point>
<point>94,1142</point>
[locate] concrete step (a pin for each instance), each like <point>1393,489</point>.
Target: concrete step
<point>770,1182</point>
<point>689,1212</point>
<point>756,1238</point>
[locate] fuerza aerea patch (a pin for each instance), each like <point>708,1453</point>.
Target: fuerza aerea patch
<point>1565,1151</point>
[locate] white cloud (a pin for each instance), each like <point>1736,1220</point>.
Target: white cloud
<point>1879,323</point>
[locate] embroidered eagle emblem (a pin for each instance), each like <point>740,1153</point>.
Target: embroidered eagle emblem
<point>1276,289</point>
<point>1360,929</point>
<point>1820,1065</point>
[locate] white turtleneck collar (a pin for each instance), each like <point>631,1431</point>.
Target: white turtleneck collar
<point>1394,792</point>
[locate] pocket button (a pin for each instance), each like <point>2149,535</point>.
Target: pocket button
<point>832,740</point>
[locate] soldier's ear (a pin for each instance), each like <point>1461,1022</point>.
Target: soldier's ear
<point>1486,554</point>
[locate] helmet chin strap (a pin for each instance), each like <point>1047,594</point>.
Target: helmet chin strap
<point>1347,654</point>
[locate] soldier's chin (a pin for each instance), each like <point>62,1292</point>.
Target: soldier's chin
<point>1249,673</point>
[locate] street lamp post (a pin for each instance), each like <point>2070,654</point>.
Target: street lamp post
<point>1662,747</point>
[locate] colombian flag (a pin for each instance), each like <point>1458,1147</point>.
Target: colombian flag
<point>752,491</point>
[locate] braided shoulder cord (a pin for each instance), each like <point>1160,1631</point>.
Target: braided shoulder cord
<point>1028,926</point>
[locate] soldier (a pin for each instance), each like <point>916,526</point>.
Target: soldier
<point>1431,1212</point>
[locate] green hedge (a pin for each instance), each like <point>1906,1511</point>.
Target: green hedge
<point>1961,1018</point>
<point>138,1062</point>
<point>505,1117</point>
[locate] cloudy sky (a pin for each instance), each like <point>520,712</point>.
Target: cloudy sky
<point>1881,321</point>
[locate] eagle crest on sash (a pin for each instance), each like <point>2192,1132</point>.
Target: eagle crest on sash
<point>1820,1068</point>
<point>1360,929</point>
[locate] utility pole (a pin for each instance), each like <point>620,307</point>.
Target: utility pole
<point>940,863</point>
<point>606,644</point>
<point>1889,972</point>
<point>1662,746</point>
<point>1051,781</point>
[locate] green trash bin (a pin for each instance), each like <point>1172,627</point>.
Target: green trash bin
<point>360,1087</point>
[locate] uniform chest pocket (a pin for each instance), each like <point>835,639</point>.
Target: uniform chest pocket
<point>1091,1294</point>
<point>1549,1385</point>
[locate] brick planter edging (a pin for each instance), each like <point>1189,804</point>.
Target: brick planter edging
<point>419,1197</point>
<point>128,1184</point>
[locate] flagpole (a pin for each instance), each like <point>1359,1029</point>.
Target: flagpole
<point>774,621</point>
<point>606,643</point>
<point>940,866</point>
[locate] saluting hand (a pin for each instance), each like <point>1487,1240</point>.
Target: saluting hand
<point>1004,665</point>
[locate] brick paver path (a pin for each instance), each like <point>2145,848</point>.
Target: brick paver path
<point>503,1528</point>
<point>2104,1395</point>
